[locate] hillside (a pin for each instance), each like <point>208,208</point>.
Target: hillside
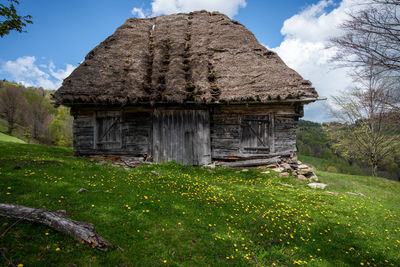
<point>35,118</point>
<point>8,138</point>
<point>176,215</point>
<point>315,147</point>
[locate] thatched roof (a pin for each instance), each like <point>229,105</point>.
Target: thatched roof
<point>200,57</point>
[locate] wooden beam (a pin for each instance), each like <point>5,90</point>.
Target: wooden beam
<point>249,163</point>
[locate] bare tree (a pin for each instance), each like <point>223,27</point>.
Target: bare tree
<point>39,119</point>
<point>372,32</point>
<point>370,130</point>
<point>12,103</point>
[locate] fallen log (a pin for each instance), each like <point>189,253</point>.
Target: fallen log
<point>83,232</point>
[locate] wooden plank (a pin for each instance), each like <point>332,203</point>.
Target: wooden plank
<point>95,130</point>
<point>249,163</point>
<point>225,131</point>
<point>188,149</point>
<point>235,156</point>
<point>156,136</point>
<point>271,131</point>
<point>136,139</point>
<point>87,131</point>
<point>185,136</point>
<point>226,143</point>
<point>205,140</point>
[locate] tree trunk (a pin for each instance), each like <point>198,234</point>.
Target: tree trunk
<point>10,128</point>
<point>83,232</point>
<point>374,169</point>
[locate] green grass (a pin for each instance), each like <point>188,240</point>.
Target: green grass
<point>190,216</point>
<point>8,138</point>
<point>19,132</point>
<point>338,164</point>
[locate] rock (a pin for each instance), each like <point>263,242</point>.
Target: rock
<point>317,185</point>
<point>245,170</point>
<point>313,178</point>
<point>81,190</point>
<point>266,172</point>
<point>156,173</point>
<point>302,166</point>
<point>299,162</point>
<point>356,194</point>
<point>284,175</point>
<point>287,185</point>
<point>286,166</point>
<point>278,169</point>
<point>332,193</point>
<point>211,171</point>
<point>305,171</point>
<point>301,177</point>
<point>271,166</point>
<point>212,165</point>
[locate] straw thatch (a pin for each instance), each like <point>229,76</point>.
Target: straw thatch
<point>200,57</point>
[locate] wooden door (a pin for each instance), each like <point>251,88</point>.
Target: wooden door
<point>255,134</point>
<point>182,136</point>
<point>108,131</point>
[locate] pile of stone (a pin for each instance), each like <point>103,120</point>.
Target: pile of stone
<point>295,168</point>
<point>127,162</point>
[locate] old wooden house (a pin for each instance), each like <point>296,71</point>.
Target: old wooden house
<point>193,88</point>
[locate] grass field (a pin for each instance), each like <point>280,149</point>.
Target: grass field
<point>8,138</point>
<point>189,216</point>
<point>19,132</point>
<point>338,164</point>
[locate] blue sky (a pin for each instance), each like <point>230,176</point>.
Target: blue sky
<point>63,33</point>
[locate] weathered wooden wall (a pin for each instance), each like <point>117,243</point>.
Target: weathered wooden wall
<point>190,136</point>
<point>181,135</point>
<point>83,129</point>
<point>113,132</point>
<point>244,132</point>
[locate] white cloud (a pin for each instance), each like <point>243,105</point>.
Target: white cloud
<point>24,70</point>
<point>60,74</point>
<point>138,12</point>
<point>164,7</point>
<point>305,50</point>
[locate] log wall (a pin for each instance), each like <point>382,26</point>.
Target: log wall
<point>275,135</point>
<point>113,132</point>
<point>197,136</point>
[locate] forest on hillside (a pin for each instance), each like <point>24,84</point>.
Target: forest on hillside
<point>27,113</point>
<point>322,148</point>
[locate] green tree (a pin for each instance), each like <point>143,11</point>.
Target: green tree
<point>369,129</point>
<point>10,20</point>
<point>61,128</point>
<point>12,104</point>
